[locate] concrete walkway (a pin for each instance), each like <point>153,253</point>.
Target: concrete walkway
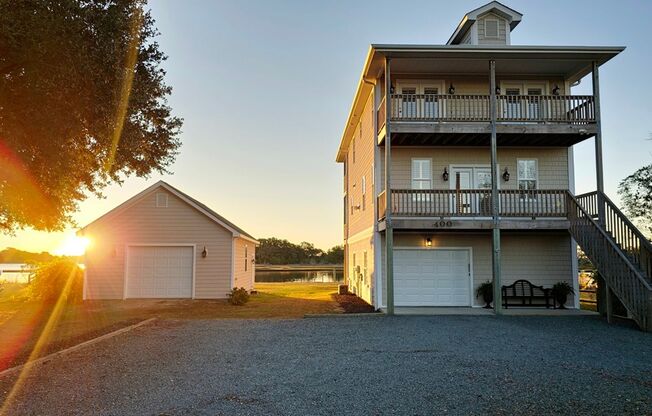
<point>427,311</point>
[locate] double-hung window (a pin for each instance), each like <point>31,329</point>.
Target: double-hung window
<point>421,178</point>
<point>527,176</point>
<point>364,193</point>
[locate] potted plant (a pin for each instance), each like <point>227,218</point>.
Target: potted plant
<point>486,291</point>
<point>560,292</point>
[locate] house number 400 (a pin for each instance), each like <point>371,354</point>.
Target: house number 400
<point>442,224</point>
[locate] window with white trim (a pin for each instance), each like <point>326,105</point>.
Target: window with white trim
<point>161,200</point>
<point>491,28</point>
<point>364,193</point>
<point>246,258</point>
<point>527,174</point>
<point>421,174</point>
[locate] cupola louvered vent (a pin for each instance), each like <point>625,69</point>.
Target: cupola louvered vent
<point>491,28</point>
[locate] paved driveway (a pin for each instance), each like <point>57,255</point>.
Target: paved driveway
<point>350,365</point>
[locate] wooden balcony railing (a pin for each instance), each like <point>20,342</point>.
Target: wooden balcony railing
<point>381,204</point>
<point>475,203</point>
<point>574,109</point>
<point>381,115</point>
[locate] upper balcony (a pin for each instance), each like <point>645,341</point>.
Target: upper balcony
<point>437,119</point>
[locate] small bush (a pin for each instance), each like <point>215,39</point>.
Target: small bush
<point>58,278</point>
<point>238,296</point>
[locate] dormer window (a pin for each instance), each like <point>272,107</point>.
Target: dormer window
<point>491,28</point>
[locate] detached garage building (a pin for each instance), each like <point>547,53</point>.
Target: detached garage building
<point>162,243</point>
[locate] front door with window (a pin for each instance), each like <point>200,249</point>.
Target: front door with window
<point>472,186</point>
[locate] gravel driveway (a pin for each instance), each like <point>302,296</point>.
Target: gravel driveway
<point>352,365</point>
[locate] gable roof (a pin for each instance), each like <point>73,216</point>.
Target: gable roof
<point>202,208</point>
<point>513,18</point>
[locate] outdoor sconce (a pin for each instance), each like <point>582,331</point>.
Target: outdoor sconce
<point>451,89</point>
<point>428,242</point>
<point>497,90</point>
<point>506,175</point>
<point>555,91</point>
<point>445,175</point>
<point>204,252</point>
<point>392,89</point>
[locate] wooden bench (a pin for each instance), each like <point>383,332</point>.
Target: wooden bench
<point>523,293</point>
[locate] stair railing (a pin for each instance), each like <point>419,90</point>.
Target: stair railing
<point>625,234</point>
<point>623,277</point>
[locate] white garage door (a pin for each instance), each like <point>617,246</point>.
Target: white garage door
<point>159,272</point>
<point>432,277</point>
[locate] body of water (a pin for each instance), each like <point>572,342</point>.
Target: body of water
<point>312,276</point>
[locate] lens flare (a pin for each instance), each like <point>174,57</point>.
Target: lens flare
<point>72,245</point>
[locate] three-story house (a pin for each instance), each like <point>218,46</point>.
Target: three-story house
<point>459,169</point>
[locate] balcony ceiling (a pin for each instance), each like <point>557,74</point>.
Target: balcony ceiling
<point>567,62</point>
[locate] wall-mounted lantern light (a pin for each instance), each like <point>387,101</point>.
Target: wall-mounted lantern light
<point>392,89</point>
<point>497,90</point>
<point>445,175</point>
<point>204,252</point>
<point>555,91</point>
<point>506,175</point>
<point>451,89</point>
<point>428,242</point>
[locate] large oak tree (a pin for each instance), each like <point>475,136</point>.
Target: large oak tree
<point>82,105</point>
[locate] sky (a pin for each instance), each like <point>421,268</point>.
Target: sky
<point>265,88</point>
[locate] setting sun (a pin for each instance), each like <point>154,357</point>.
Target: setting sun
<point>72,245</point>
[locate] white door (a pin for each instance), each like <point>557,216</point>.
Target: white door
<point>159,272</point>
<point>408,98</point>
<point>462,202</point>
<point>477,179</point>
<point>440,277</point>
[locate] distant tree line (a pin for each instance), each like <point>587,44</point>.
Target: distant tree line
<point>13,255</point>
<point>277,251</point>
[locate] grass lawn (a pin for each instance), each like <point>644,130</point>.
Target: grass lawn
<point>22,322</point>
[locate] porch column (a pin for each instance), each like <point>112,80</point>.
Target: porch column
<point>495,229</point>
<point>599,177</point>
<point>389,233</point>
<point>599,172</point>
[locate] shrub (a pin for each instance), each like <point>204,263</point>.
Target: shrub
<point>58,278</point>
<point>238,296</point>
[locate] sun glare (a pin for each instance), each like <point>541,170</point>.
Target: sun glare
<point>72,245</point>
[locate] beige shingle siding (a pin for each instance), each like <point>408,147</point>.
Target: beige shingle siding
<point>363,287</point>
<point>541,258</point>
<point>552,164</point>
<point>361,219</point>
<point>502,30</point>
<point>244,276</point>
<point>144,223</point>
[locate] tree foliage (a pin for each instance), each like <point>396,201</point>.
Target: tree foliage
<point>636,195</point>
<point>13,255</point>
<point>82,105</point>
<point>277,251</point>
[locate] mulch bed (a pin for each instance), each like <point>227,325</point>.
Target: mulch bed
<point>353,304</point>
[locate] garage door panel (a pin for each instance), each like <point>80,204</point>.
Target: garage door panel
<point>159,272</point>
<point>432,277</point>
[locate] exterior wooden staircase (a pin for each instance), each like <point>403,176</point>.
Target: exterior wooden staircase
<point>619,251</point>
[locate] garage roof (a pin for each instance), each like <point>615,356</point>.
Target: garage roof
<point>204,209</point>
